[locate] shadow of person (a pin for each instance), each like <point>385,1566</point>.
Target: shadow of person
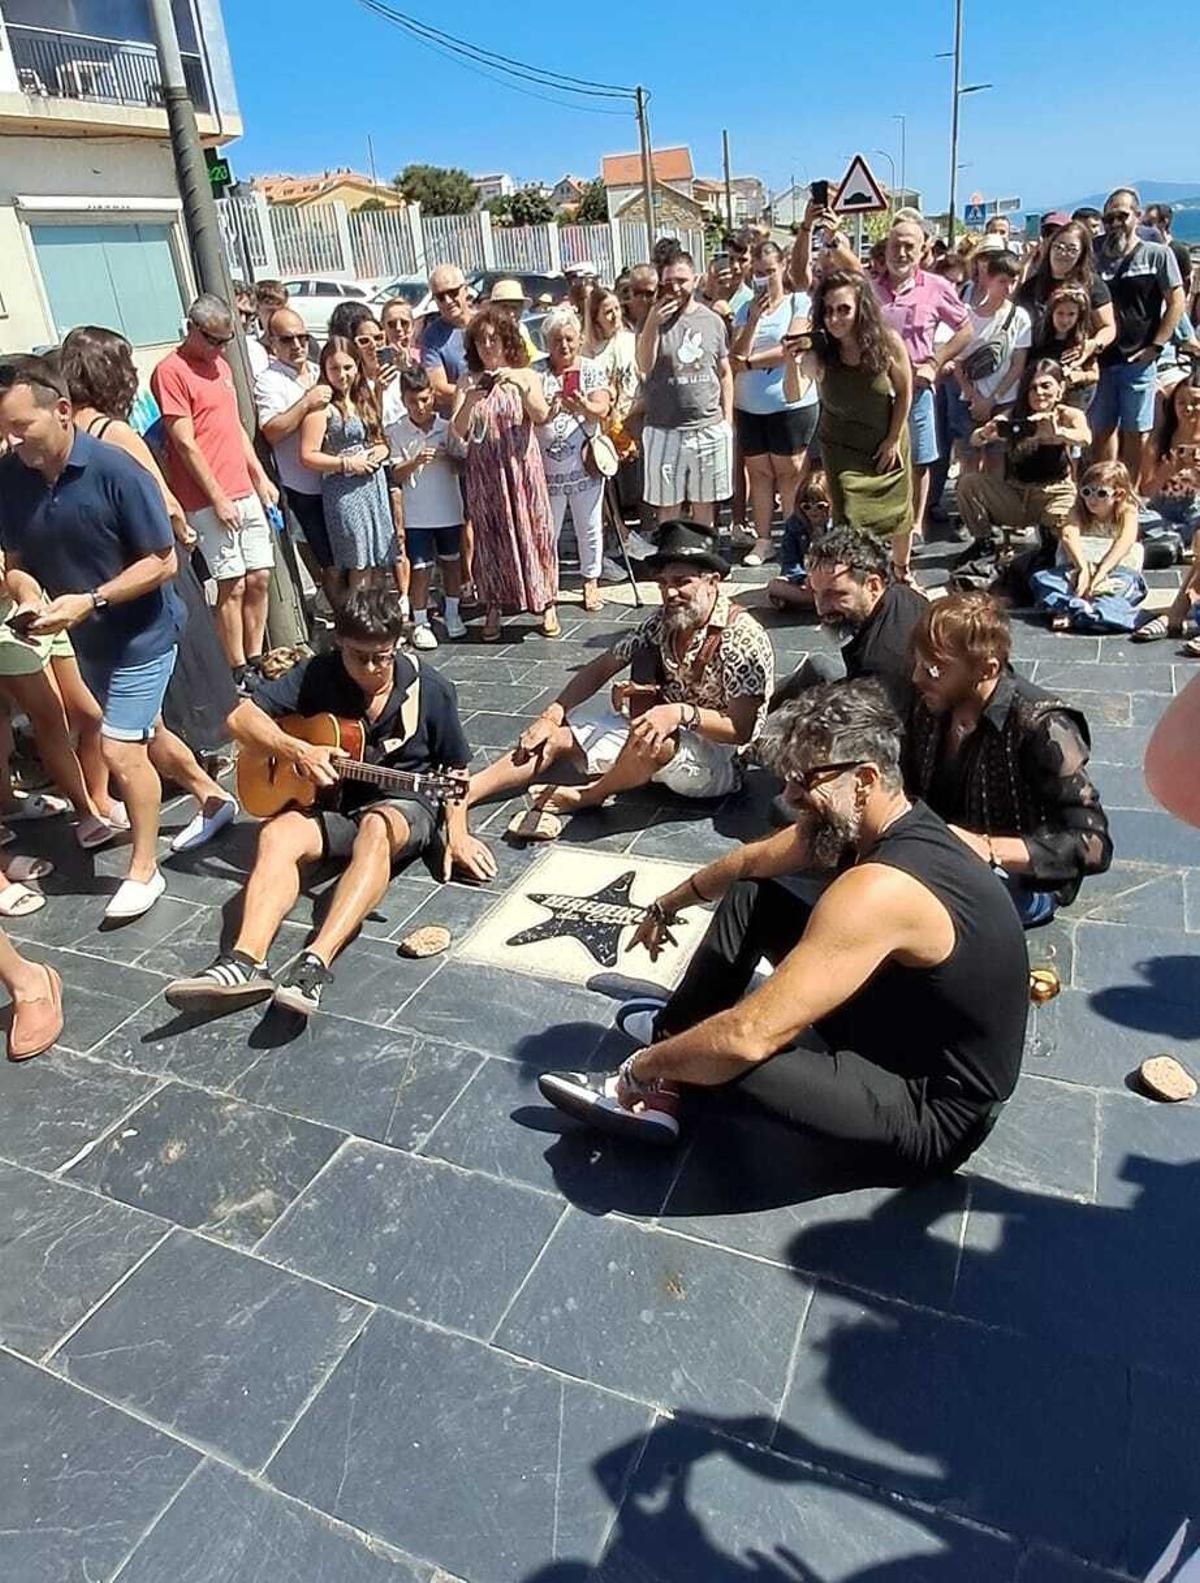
<point>1167,1002</point>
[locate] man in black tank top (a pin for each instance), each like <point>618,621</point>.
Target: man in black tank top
<point>894,1021</point>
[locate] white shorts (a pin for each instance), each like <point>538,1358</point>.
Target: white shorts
<point>688,464</point>
<point>249,549</point>
<point>700,768</point>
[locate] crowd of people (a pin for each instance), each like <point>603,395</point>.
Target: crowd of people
<point>932,803</point>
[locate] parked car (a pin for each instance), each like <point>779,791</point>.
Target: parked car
<point>480,283</point>
<point>314,297</point>
<point>413,288</point>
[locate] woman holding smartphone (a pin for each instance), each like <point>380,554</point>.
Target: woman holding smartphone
<point>773,432</point>
<point>344,443</point>
<point>580,398</point>
<point>864,377</point>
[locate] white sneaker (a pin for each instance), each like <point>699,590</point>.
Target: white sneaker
<point>135,896</point>
<point>593,1100</point>
<point>204,826</point>
<point>636,1018</point>
<point>610,571</point>
<point>423,636</point>
<point>456,628</point>
<point>637,547</point>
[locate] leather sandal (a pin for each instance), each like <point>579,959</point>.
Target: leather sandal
<point>36,1024</point>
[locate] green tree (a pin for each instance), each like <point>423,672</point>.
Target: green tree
<point>530,207</point>
<point>501,210</point>
<point>438,190</point>
<point>593,205</point>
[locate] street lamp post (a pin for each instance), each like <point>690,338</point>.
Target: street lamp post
<point>903,120</point>
<point>957,93</point>
<point>892,188</point>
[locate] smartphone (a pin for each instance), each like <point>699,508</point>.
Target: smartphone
<point>819,192</point>
<point>386,356</point>
<point>21,620</point>
<point>570,382</point>
<point>720,262</point>
<point>803,339</point>
<point>486,380</point>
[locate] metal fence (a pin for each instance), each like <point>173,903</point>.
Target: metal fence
<point>282,240</point>
<point>55,65</point>
<point>382,244</point>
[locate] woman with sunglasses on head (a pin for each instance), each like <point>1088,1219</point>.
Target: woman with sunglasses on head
<point>1096,582</point>
<point>864,378</point>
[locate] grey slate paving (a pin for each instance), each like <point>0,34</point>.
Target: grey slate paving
<point>217,1346</point>
<point>864,1375</point>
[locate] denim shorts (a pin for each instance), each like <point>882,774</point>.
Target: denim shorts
<point>922,429</point>
<point>1124,399</point>
<point>426,545</point>
<point>131,696</point>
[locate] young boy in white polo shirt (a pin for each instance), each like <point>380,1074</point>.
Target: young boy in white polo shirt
<point>426,460</point>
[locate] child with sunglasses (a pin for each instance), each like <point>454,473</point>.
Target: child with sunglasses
<point>810,517</point>
<point>1096,582</point>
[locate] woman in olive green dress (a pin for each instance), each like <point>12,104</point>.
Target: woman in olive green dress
<point>865,381</point>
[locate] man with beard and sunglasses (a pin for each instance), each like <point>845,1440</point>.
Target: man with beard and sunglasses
<point>1148,302</point>
<point>1002,761</point>
<point>894,1020</point>
<point>701,675</point>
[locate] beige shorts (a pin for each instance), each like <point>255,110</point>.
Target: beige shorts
<point>28,656</point>
<point>700,768</point>
<point>248,549</point>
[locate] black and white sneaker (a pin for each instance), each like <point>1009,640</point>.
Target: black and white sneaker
<point>300,987</point>
<point>637,1017</point>
<point>593,1099</point>
<point>234,980</point>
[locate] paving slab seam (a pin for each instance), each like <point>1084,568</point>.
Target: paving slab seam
<point>961,1247</point>
<point>48,1355</point>
<point>347,1140</point>
<point>154,1522</point>
<point>371,1309</point>
<point>59,1171</point>
<point>525,1279</point>
<point>789,1372</point>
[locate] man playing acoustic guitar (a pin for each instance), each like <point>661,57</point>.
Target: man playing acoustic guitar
<point>411,724</point>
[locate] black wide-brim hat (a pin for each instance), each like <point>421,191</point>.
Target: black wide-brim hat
<point>683,542</point>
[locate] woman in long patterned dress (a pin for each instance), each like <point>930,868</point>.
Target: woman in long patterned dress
<point>498,405</point>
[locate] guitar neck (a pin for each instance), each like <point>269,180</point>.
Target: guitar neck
<point>389,779</point>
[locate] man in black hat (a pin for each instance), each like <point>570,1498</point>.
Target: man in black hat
<point>701,673</point>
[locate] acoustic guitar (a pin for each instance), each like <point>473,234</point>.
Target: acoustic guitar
<point>267,784</point>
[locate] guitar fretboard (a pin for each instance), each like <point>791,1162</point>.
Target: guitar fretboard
<point>380,775</point>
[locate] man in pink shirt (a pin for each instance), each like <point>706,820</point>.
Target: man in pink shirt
<point>219,481</point>
<point>914,303</point>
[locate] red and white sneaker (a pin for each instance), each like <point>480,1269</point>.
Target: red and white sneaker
<point>592,1098</point>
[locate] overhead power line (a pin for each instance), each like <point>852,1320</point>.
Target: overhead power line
<point>496,65</point>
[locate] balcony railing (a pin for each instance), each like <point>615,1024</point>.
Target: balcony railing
<point>53,65</point>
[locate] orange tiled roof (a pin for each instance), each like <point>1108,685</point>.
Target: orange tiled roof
<point>625,170</point>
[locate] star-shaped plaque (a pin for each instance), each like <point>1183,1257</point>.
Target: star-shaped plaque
<point>595,921</point>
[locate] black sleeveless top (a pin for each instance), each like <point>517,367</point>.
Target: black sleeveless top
<point>961,1024</point>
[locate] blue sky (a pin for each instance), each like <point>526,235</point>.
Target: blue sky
<point>316,76</point>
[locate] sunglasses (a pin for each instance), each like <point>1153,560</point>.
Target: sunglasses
<point>1118,216</point>
<point>839,310</point>
<point>808,780</point>
<point>369,340</point>
<point>814,505</point>
<point>1065,247</point>
<point>214,340</point>
<point>643,291</point>
<point>450,294</point>
<point>1097,492</point>
<point>293,336</point>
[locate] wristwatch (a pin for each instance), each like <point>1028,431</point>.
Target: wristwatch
<point>98,600</point>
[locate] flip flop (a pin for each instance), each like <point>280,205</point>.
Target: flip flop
<point>37,805</point>
<point>36,1024</point>
<point>1153,630</point>
<point>535,824</point>
<point>22,869</point>
<point>1191,648</point>
<point>18,901</point>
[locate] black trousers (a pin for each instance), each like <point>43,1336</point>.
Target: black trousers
<point>920,1123</point>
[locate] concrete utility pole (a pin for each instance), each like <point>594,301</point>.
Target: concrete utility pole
<point>199,206</point>
<point>728,182</point>
<point>956,99</point>
<point>643,121</point>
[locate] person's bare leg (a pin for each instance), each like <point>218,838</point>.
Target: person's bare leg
<point>254,611</point>
<point>920,498</point>
<point>1104,445</point>
<point>38,698</point>
<point>418,588</point>
<point>665,513</point>
<point>635,766</point>
<point>229,618</point>
<point>8,797</point>
<point>284,843</point>
<point>141,792</point>
<point>22,979</point>
<point>176,762</point>
<point>382,833</point>
<point>1133,454</point>
<point>506,775</point>
<point>703,511</point>
<point>762,501</point>
<point>791,596</point>
<point>360,577</point>
<point>85,716</point>
<point>790,473</point>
